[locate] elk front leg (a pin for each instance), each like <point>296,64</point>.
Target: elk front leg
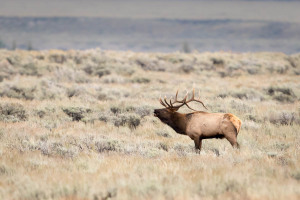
<point>198,144</point>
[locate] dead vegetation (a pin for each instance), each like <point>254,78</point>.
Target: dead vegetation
<point>80,125</point>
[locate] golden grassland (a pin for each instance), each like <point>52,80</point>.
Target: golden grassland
<point>80,125</point>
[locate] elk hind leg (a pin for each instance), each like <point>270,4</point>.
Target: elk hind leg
<point>233,140</point>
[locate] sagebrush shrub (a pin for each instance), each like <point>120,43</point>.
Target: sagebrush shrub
<point>143,111</point>
<point>76,113</point>
<point>281,94</point>
<point>140,80</point>
<point>107,145</point>
<point>17,92</point>
<point>283,117</point>
<point>130,119</point>
<point>12,112</point>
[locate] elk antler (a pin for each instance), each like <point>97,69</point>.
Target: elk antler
<point>183,102</point>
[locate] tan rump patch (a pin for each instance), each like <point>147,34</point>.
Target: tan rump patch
<point>234,120</point>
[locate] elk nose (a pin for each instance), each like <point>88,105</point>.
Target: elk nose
<point>155,113</point>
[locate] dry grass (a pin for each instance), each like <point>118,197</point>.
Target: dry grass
<point>79,125</point>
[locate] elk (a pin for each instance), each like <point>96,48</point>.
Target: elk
<point>199,125</point>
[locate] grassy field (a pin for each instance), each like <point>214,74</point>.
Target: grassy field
<point>80,125</point>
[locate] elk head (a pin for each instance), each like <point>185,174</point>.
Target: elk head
<point>166,114</point>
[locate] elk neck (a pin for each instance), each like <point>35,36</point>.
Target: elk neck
<point>178,122</point>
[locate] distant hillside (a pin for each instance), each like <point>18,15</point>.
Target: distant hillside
<point>165,35</point>
<point>287,11</point>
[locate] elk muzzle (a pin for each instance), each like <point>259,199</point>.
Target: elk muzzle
<point>155,113</point>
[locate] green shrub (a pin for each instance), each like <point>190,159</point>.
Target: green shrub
<point>149,64</point>
<point>163,146</point>
<point>186,69</point>
<point>281,94</point>
<point>272,90</point>
<point>113,78</point>
<point>115,109</point>
<point>7,70</point>
<point>29,69</point>
<point>131,120</point>
<point>223,95</point>
<point>12,112</point>
<point>284,98</point>
<point>217,61</point>
<point>163,133</point>
<point>281,146</point>
<point>40,113</point>
<point>99,70</point>
<point>143,111</point>
<point>253,117</point>
<point>126,70</point>
<point>76,113</point>
<point>296,176</point>
<point>249,94</point>
<point>123,117</point>
<point>65,152</point>
<point>140,80</point>
<point>105,117</point>
<point>103,97</point>
<point>253,70</point>
<point>75,91</point>
<point>280,69</point>
<point>283,118</point>
<point>228,70</point>
<point>18,92</point>
<point>107,145</point>
<point>57,58</point>
<point>296,72</point>
<point>47,89</point>
<point>4,170</point>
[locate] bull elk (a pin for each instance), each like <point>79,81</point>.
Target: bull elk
<point>199,125</point>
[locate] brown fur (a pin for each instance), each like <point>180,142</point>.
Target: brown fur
<point>202,125</point>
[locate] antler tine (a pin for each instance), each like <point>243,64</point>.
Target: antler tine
<point>184,101</point>
<point>190,107</point>
<point>162,103</point>
<point>165,99</point>
<point>197,100</point>
<point>176,95</point>
<point>175,100</point>
<point>201,103</point>
<point>193,93</point>
<point>192,98</point>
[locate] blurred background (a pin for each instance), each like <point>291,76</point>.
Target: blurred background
<point>151,26</point>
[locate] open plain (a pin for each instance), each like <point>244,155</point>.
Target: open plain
<point>80,125</point>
